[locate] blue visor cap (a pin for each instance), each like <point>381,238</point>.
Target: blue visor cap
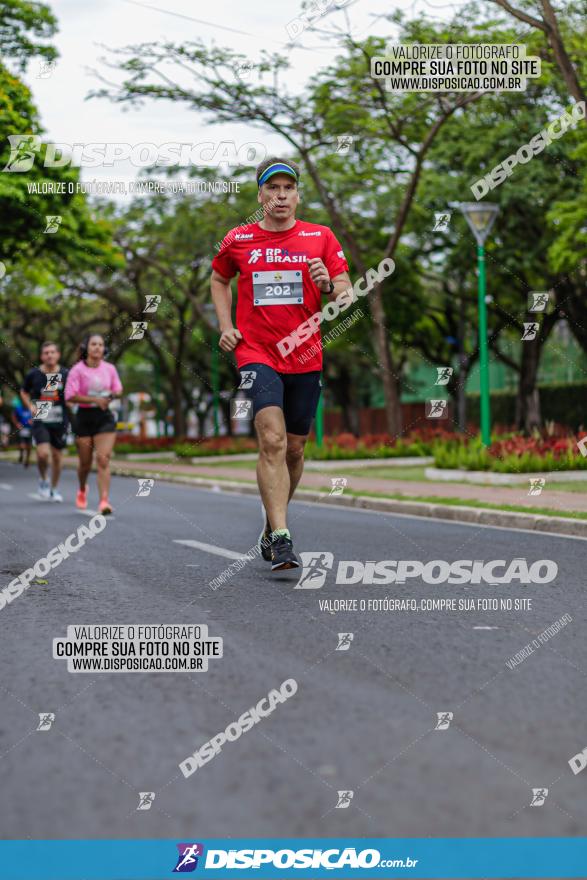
<point>277,168</point>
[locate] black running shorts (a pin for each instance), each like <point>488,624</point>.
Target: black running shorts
<point>55,435</point>
<point>297,394</point>
<point>91,420</point>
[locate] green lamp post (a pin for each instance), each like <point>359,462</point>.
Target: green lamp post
<point>481,216</point>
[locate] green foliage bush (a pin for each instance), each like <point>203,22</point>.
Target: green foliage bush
<point>564,403</point>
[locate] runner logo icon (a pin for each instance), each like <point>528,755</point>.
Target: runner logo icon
<point>436,409</point>
<point>146,799</point>
<point>530,331</point>
<point>247,378</point>
<point>338,485</point>
<point>23,149</point>
<point>344,641</point>
<point>344,799</point>
<point>444,719</point>
<point>241,409</point>
<point>42,409</point>
<point>539,301</point>
<point>138,329</point>
<point>152,303</point>
<point>53,222</point>
<point>188,857</point>
<point>444,374</point>
<point>46,719</point>
<point>539,795</point>
<point>316,565</point>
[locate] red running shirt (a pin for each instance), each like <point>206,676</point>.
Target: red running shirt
<point>275,291</point>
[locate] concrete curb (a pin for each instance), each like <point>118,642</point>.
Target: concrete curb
<point>314,464</point>
<point>490,478</point>
<point>554,525</point>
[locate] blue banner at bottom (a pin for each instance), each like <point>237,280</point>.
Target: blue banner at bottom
<point>553,857</point>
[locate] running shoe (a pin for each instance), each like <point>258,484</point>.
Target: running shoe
<point>282,554</point>
<point>56,496</point>
<point>264,542</point>
<point>81,499</point>
<point>104,507</point>
<point>45,489</point>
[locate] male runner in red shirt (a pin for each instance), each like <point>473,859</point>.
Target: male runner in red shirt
<point>284,266</point>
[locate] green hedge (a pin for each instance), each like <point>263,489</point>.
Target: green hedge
<point>476,458</point>
<point>563,403</point>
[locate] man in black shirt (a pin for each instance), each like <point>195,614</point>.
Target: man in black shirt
<point>42,393</point>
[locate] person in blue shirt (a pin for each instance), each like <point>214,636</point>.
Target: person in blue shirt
<point>21,419</point>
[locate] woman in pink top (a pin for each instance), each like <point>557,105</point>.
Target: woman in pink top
<point>93,383</point>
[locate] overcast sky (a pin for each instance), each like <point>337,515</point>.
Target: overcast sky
<point>87,27</point>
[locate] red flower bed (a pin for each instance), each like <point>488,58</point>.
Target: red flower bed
<point>539,445</point>
<point>247,444</point>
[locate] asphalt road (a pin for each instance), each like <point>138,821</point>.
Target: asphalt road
<point>362,720</point>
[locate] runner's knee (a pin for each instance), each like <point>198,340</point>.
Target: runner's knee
<point>294,453</point>
<point>272,442</point>
<point>102,459</point>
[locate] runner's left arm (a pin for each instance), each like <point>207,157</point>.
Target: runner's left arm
<point>25,395</point>
<point>332,267</point>
<point>26,399</point>
<point>341,282</point>
<point>115,383</point>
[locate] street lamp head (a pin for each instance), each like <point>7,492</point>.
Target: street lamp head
<point>480,216</point>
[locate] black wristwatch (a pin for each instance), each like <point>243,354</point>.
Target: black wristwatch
<point>330,289</point>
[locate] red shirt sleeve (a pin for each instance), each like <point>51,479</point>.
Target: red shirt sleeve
<point>333,257</point>
<point>223,262</point>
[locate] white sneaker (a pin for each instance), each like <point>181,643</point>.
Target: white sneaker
<point>45,489</point>
<point>56,496</point>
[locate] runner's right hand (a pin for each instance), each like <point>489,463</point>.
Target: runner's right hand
<point>103,402</point>
<point>230,339</point>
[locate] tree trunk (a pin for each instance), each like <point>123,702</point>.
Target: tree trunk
<point>559,51</point>
<point>456,390</point>
<point>389,377</point>
<point>549,26</point>
<point>528,398</point>
<point>344,394</point>
<point>178,410</point>
<point>224,408</point>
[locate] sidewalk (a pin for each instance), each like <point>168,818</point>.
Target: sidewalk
<point>316,480</point>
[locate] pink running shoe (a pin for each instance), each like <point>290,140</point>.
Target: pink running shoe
<point>81,499</point>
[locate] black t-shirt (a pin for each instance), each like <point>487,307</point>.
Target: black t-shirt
<point>42,388</point>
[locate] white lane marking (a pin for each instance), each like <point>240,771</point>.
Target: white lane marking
<point>37,497</point>
<point>485,627</point>
<point>212,548</point>
<point>6,486</point>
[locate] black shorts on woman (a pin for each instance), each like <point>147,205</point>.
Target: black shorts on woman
<point>89,421</point>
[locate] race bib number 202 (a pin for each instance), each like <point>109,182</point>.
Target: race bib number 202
<point>278,288</point>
